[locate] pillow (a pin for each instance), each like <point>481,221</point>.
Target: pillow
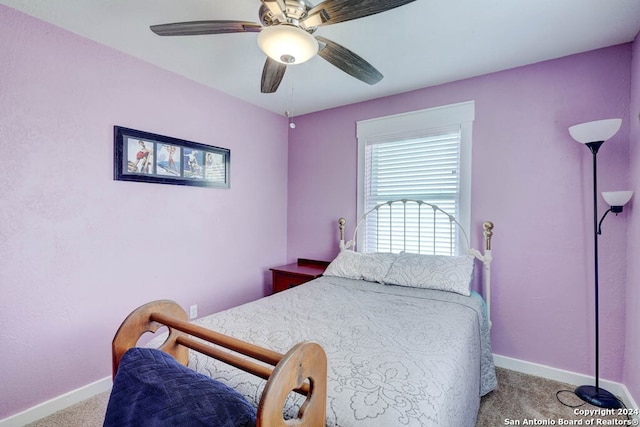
<point>371,267</point>
<point>151,388</point>
<point>445,273</point>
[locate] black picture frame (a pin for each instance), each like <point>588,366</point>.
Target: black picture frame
<point>148,157</point>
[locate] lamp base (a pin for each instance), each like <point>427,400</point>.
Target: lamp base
<point>598,397</point>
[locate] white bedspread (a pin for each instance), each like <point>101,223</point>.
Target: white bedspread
<point>397,356</point>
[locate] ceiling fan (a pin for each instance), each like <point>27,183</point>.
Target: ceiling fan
<point>285,35</point>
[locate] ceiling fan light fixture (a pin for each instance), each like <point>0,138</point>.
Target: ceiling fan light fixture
<point>287,44</point>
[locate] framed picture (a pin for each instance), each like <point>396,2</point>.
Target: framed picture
<point>148,157</point>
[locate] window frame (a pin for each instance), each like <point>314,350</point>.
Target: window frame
<point>416,124</point>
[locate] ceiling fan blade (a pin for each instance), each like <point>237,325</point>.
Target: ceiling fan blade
<point>334,11</point>
<point>196,28</point>
<point>348,61</point>
<point>272,75</point>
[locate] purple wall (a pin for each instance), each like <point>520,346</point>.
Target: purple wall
<point>632,353</point>
<point>78,250</point>
<point>529,177</point>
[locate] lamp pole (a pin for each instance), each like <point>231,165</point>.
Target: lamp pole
<point>594,147</point>
<point>596,395</point>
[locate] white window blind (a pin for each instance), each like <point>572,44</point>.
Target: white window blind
<point>420,157</point>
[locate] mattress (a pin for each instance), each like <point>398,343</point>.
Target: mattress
<point>397,356</point>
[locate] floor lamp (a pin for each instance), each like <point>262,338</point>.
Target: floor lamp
<point>593,135</point>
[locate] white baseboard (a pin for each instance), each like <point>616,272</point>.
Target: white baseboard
<point>561,375</point>
<point>57,403</point>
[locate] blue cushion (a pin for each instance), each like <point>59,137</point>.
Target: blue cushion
<point>152,389</point>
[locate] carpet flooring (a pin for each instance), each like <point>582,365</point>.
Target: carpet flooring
<point>519,400</point>
<point>527,400</point>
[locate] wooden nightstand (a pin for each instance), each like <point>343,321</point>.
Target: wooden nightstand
<point>290,275</point>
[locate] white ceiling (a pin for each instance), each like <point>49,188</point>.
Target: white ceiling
<point>424,43</point>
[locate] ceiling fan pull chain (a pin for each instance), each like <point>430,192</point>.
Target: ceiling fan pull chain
<point>289,112</point>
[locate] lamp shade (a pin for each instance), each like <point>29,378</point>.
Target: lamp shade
<point>600,130</point>
<point>287,44</point>
<point>617,198</point>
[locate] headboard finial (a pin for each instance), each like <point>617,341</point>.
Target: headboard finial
<point>341,223</point>
<point>488,232</point>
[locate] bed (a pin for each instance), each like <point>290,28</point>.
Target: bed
<point>398,353</point>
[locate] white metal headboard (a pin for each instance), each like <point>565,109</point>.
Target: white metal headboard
<point>483,256</point>
<point>454,225</point>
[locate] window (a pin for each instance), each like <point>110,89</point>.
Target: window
<point>423,155</point>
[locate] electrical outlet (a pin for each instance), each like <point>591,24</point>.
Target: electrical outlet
<point>193,311</point>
